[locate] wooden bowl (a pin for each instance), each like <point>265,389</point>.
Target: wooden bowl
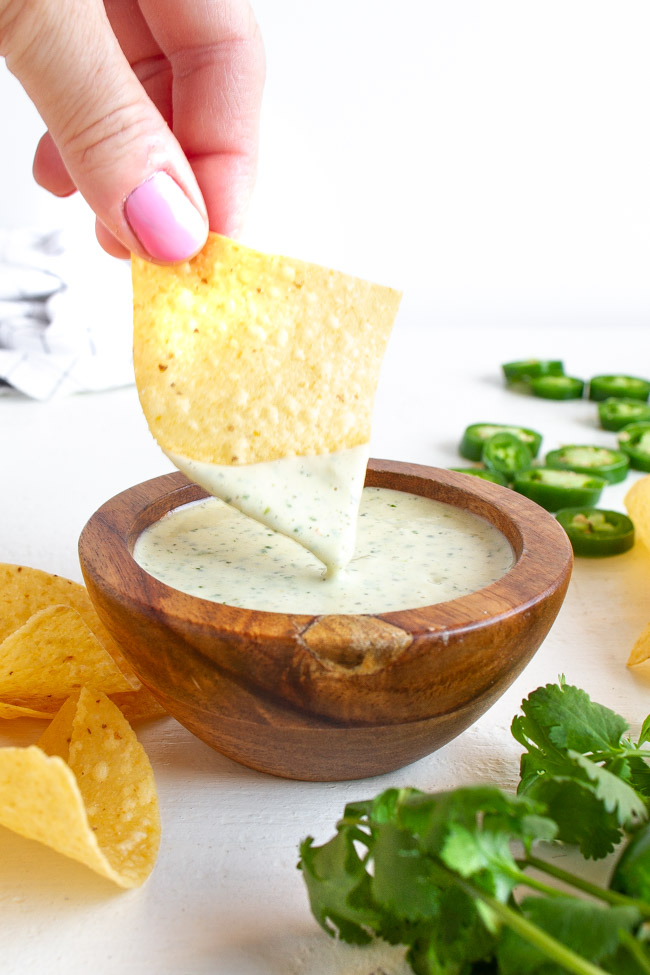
<point>337,696</point>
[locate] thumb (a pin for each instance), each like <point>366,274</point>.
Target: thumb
<point>114,144</point>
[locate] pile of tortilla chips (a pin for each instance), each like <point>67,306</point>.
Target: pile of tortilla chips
<point>86,788</point>
<point>637,502</point>
<point>52,643</point>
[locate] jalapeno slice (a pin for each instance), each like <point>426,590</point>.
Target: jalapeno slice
<point>557,387</point>
<point>506,453</point>
<point>630,387</point>
<point>634,440</point>
<point>613,465</point>
<point>493,476</point>
<point>553,489</point>
<point>596,532</point>
<point>524,370</point>
<point>475,435</point>
<point>615,413</point>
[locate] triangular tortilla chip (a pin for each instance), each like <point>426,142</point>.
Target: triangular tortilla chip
<point>50,656</point>
<point>242,357</point>
<point>87,790</point>
<point>9,712</point>
<point>640,652</point>
<point>637,502</point>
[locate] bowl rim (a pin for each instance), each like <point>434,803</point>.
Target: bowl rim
<point>543,556</point>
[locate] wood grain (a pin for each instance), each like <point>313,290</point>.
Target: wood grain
<point>329,697</point>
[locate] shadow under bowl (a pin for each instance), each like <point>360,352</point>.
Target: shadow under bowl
<point>329,697</point>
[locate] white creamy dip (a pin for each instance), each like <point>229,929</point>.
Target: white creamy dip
<point>411,551</point>
<point>314,500</point>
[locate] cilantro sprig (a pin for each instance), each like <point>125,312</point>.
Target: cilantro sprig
<point>448,874</point>
<point>579,762</point>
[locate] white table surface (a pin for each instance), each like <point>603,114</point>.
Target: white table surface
<point>225,897</point>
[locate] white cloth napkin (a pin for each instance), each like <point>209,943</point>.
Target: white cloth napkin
<point>65,315</point>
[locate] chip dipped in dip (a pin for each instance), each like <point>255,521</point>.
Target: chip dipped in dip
<point>257,375</point>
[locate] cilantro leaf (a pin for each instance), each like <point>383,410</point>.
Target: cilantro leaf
<point>632,872</point>
<point>639,775</point>
<point>455,943</point>
<point>485,808</point>
<point>484,856</point>
<point>573,721</point>
<point>339,888</point>
<point>590,930</point>
<point>402,875</point>
<point>616,795</point>
<point>644,735</point>
<point>580,816</point>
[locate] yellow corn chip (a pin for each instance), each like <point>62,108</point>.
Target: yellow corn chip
<point>242,357</point>
<point>11,711</point>
<point>637,502</point>
<point>136,706</point>
<point>87,790</point>
<point>25,591</point>
<point>640,653</point>
<point>50,656</point>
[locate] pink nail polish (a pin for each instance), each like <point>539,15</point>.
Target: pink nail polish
<point>166,223</point>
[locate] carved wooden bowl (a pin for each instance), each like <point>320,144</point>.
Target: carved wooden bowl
<point>339,696</point>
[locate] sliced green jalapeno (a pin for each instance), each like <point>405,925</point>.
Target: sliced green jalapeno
<point>506,453</point>
<point>630,387</point>
<point>615,413</point>
<point>475,435</point>
<point>493,476</point>
<point>613,465</point>
<point>557,387</point>
<point>526,369</point>
<point>596,532</point>
<point>553,489</point>
<point>634,440</point>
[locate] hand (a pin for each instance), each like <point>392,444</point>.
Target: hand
<point>130,90</point>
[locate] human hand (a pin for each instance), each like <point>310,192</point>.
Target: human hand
<point>130,90</point>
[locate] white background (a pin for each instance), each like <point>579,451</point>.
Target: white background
<point>490,158</point>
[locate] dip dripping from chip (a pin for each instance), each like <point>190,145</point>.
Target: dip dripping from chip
<point>257,375</point>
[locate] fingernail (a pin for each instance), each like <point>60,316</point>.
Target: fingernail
<point>166,223</point>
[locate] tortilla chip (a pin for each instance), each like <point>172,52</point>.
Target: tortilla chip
<point>11,711</point>
<point>242,357</point>
<point>87,790</point>
<point>640,653</point>
<point>25,591</point>
<point>50,656</point>
<point>136,706</point>
<point>637,502</point>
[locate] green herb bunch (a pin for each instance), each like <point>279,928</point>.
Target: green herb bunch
<point>453,876</point>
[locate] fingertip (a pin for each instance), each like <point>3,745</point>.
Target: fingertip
<point>226,181</point>
<point>49,170</point>
<point>109,242</point>
<point>167,224</point>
